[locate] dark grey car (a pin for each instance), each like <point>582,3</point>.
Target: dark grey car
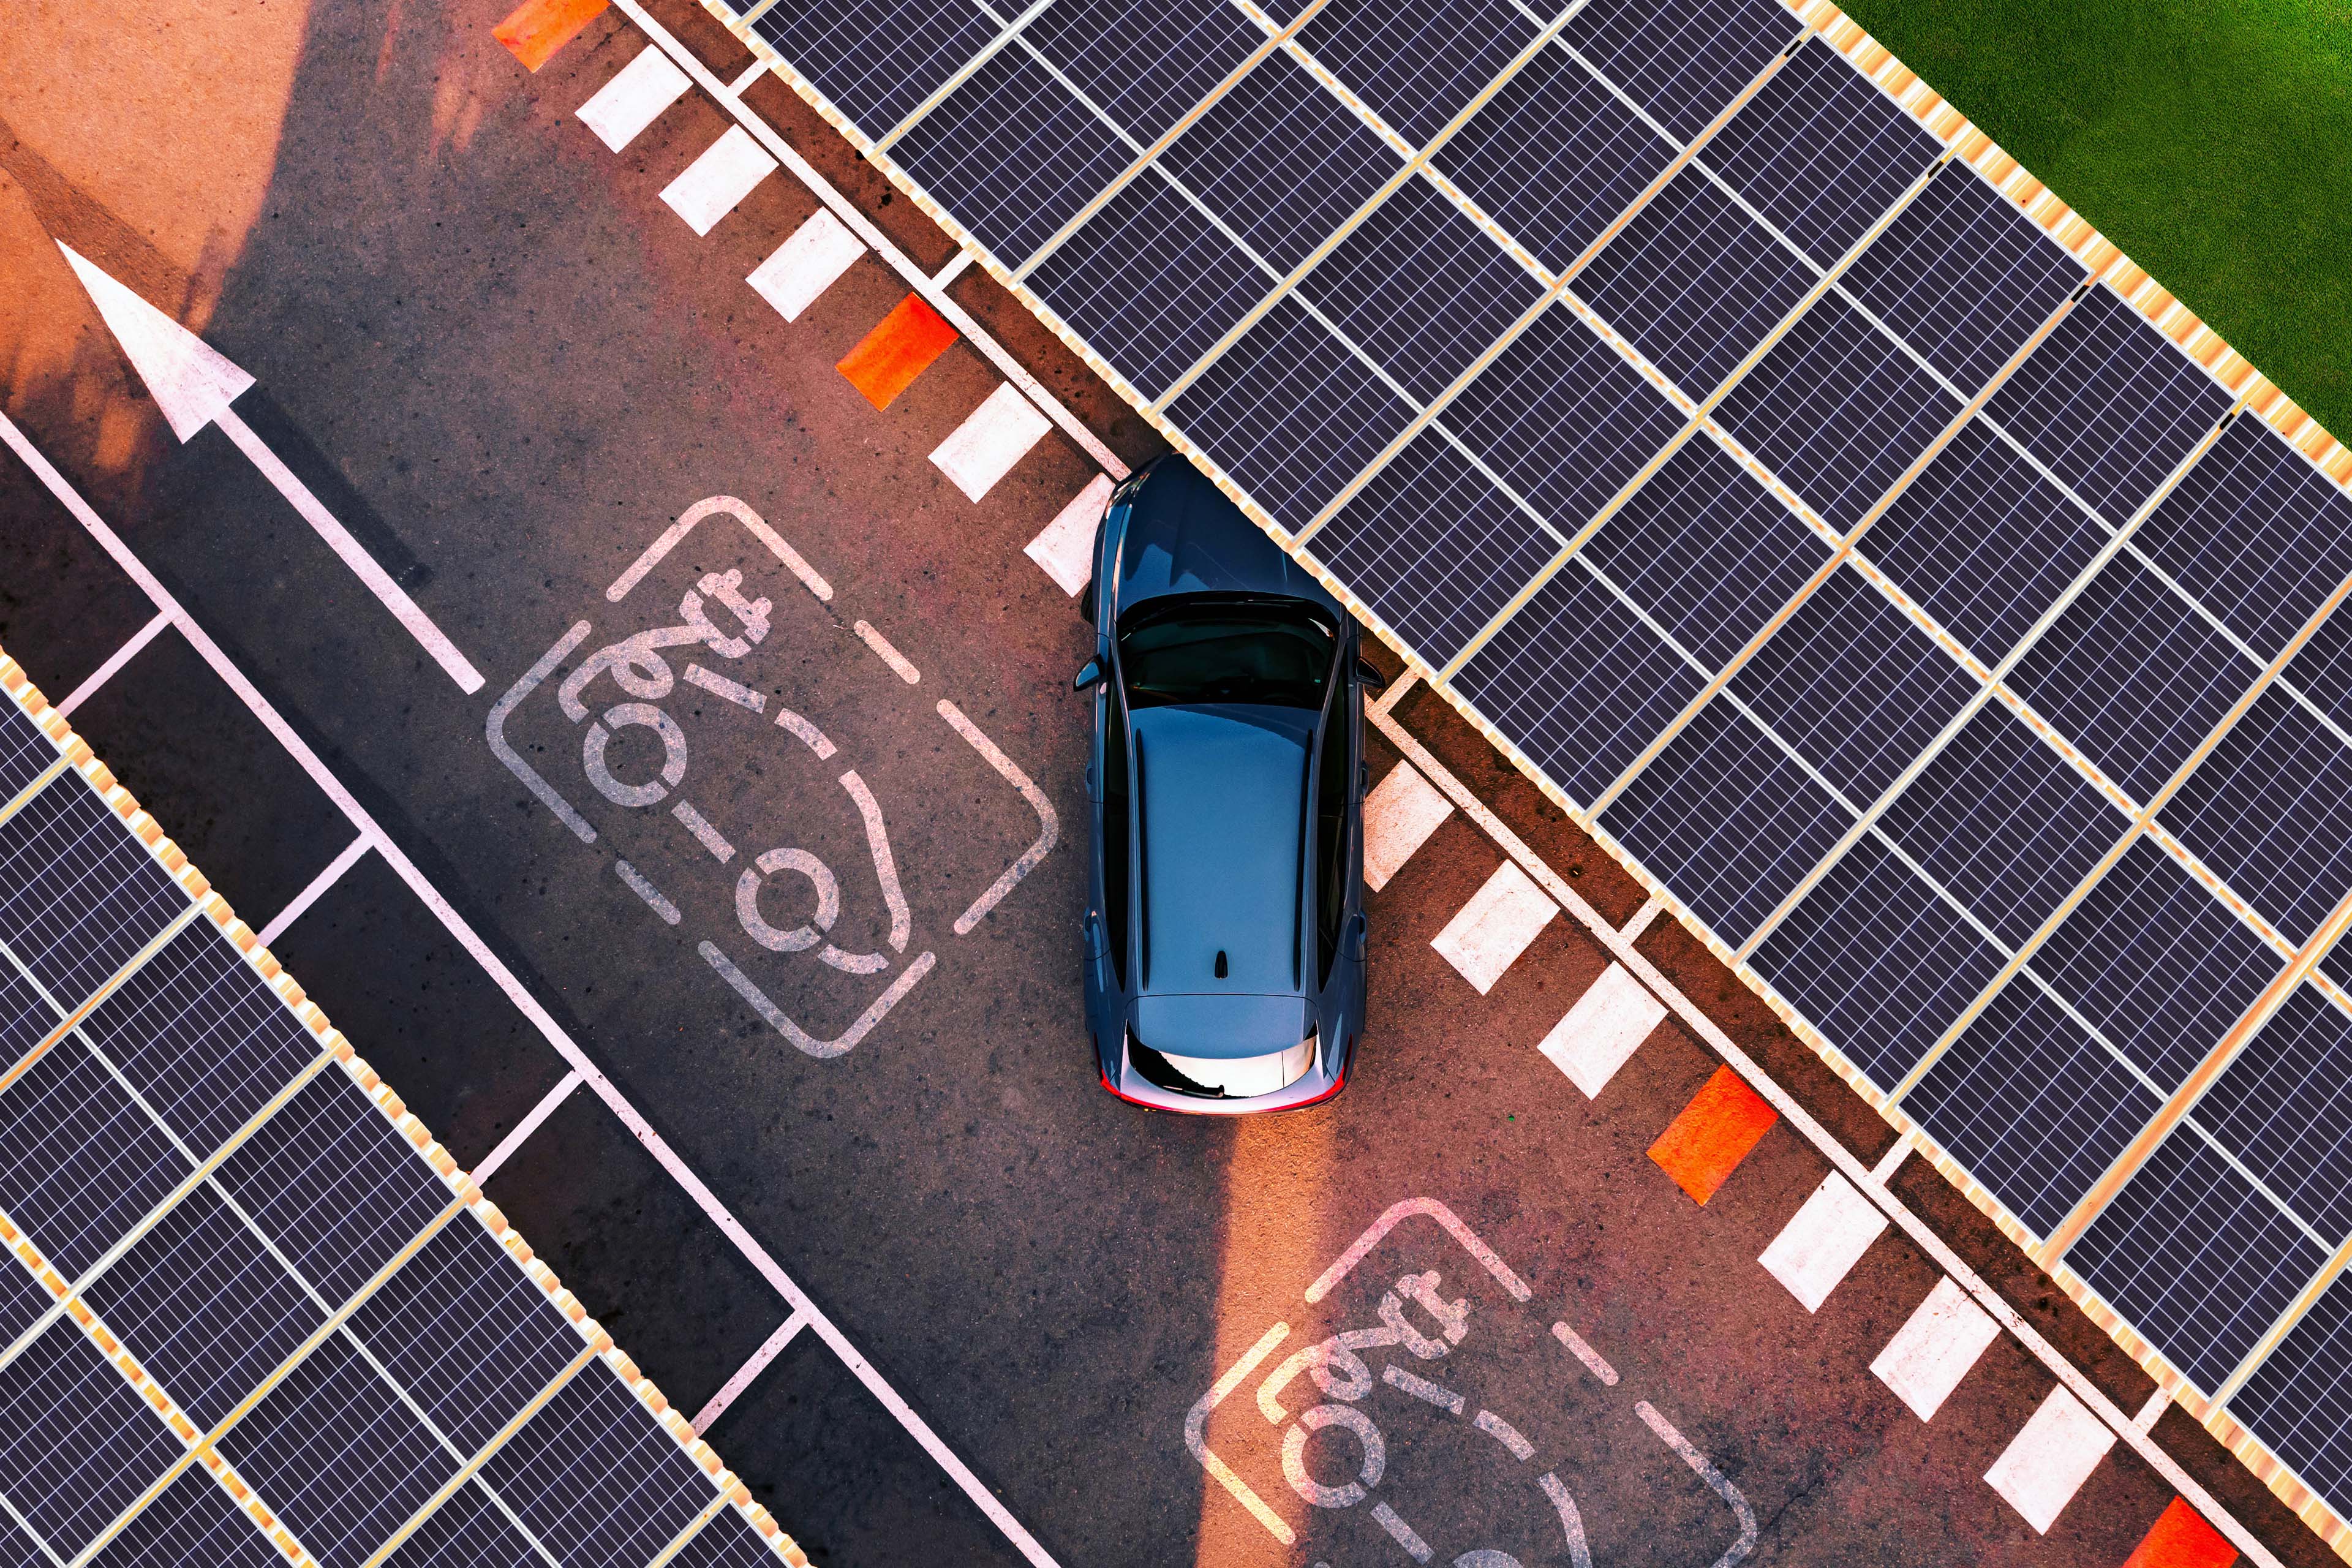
<point>1224,928</point>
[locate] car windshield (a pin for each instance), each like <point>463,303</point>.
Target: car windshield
<point>1276,653</point>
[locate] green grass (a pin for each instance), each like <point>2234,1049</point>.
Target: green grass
<point>2212,140</point>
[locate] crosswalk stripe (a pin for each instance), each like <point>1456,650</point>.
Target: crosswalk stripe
<point>997,434</point>
<point>1399,814</point>
<point>1496,926</point>
<point>1818,1247</point>
<point>1604,1028</point>
<point>724,175</point>
<point>2047,1462</point>
<point>806,264</point>
<point>1934,1348</point>
<point>634,99</point>
<point>1064,550</point>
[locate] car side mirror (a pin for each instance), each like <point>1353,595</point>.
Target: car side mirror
<point>1369,677</point>
<point>1090,675</point>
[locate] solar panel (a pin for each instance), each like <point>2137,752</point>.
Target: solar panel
<point>204,1307</point>
<point>2196,1258</point>
<point>2033,1106</point>
<point>1710,553</point>
<point>27,1019</point>
<point>1727,819</point>
<point>201,1036</point>
<point>334,1186</point>
<point>1854,685</point>
<point>2133,676</point>
<point>1013,154</point>
<point>1877,960</point>
<point>80,1164</point>
<point>337,1455</point>
<point>1982,543</point>
<point>1694,282</point>
<point>1837,412</point>
<point>2279,1109</point>
<point>78,895</point>
<point>1433,547</point>
<point>25,754</point>
<point>2322,668</point>
<point>726,1542</point>
<point>469,1531</point>
<point>18,1550</point>
<point>2299,1400</point>
<point>1417,63</point>
<point>876,59</point>
<point>193,1521</point>
<point>1290,414</point>
<point>515,1340</point>
<point>2109,403</point>
<point>1420,288</point>
<point>2000,820</point>
<point>1682,60</point>
<point>2256,533</point>
<point>78,1443</point>
<point>22,1300</point>
<point>1820,152</point>
<point>1562,419</point>
<point>1578,681</point>
<point>1554,158</point>
<point>1963,276</point>
<point>1145,64</point>
<point>2270,811</point>
<point>594,1476</point>
<point>1282,160</point>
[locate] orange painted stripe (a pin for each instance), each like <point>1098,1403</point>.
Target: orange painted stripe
<point>2182,1539</point>
<point>1713,1134</point>
<point>886,361</point>
<point>535,29</point>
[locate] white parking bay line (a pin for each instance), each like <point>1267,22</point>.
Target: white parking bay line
<point>1929,1354</point>
<point>2044,1465</point>
<point>1399,814</point>
<point>633,99</point>
<point>715,182</point>
<point>1828,1236</point>
<point>1065,550</point>
<point>1604,1028</point>
<point>1496,926</point>
<point>984,447</point>
<point>806,264</point>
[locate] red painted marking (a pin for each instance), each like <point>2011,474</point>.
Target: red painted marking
<point>535,29</point>
<point>1713,1134</point>
<point>886,361</point>
<point>2182,1539</point>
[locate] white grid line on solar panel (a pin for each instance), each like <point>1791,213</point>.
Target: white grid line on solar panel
<point>2109,403</point>
<point>79,1444</point>
<point>727,1542</point>
<point>25,1303</point>
<point>1683,60</point>
<point>2299,1400</point>
<point>875,61</point>
<point>2270,811</point>
<point>2030,1104</point>
<point>79,896</point>
<point>2195,1259</point>
<point>26,753</point>
<point>193,1522</point>
<point>1963,276</point>
<point>28,1015</point>
<point>81,1163</point>
<point>2321,670</point>
<point>1146,67</point>
<point>1416,63</point>
<point>1693,283</point>
<point>334,1185</point>
<point>2157,964</point>
<point>596,1478</point>
<point>18,1548</point>
<point>2280,1109</point>
<point>334,1453</point>
<point>467,1531</point>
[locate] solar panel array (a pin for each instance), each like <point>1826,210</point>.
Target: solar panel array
<point>1843,532</point>
<point>251,1312</point>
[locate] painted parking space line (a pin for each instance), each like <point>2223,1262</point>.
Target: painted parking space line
<point>712,184</point>
<point>1399,814</point>
<point>1817,1248</point>
<point>746,1375</point>
<point>901,346</point>
<point>1701,1147</point>
<point>1934,1348</point>
<point>107,671</point>
<point>806,264</point>
<point>1494,927</point>
<point>983,448</point>
<point>2047,1463</point>
<point>1064,550</point>
<point>1604,1028</point>
<point>2181,1539</point>
<point>535,29</point>
<point>634,99</point>
<point>311,894</point>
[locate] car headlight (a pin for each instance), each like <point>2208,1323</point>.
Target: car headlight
<point>1244,1077</point>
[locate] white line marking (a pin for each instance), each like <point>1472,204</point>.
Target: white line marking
<point>1396,1214</point>
<point>1049,826</point>
<point>634,99</point>
<point>1594,1362</point>
<point>1416,1547</point>
<point>806,264</point>
<point>732,1389</point>
<point>801,1041</point>
<point>808,734</point>
<point>886,864</point>
<point>1196,1423</point>
<point>2045,1464</point>
<point>751,519</point>
<point>952,270</point>
<point>1399,814</point>
<point>2153,1411</point>
<point>1603,1030</point>
<point>1821,1245</point>
<point>733,691</point>
<point>710,186</point>
<point>106,672</point>
<point>529,1124</point>
<point>1933,1351</point>
<point>997,434</point>
<point>710,838</point>
<point>1503,1432</point>
<point>1422,1388</point>
<point>1065,550</point>
<point>1494,927</point>
<point>898,662</point>
<point>648,891</point>
<point>1571,1523</point>
<point>750,74</point>
<point>309,895</point>
<point>1704,1468</point>
<point>1651,908</point>
<point>1890,1162</point>
<point>1396,691</point>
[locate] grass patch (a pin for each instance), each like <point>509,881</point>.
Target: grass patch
<point>2212,140</point>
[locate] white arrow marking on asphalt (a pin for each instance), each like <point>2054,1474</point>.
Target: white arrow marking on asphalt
<point>193,384</point>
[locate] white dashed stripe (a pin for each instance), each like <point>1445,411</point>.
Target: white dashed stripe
<point>806,264</point>
<point>2047,1463</point>
<point>715,182</point>
<point>633,99</point>
<point>1496,926</point>
<point>1604,1028</point>
<point>1399,814</point>
<point>1065,550</point>
<point>1828,1236</point>
<point>1929,1354</point>
<point>984,447</point>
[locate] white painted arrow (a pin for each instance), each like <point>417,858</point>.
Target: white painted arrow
<point>194,385</point>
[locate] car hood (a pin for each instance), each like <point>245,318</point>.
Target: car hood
<point>1184,536</point>
<point>1221,794</point>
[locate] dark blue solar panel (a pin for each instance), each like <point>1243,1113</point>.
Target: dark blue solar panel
<point>25,753</point>
<point>876,59</point>
<point>80,1443</point>
<point>2280,1108</point>
<point>81,1163</point>
<point>1682,60</point>
<point>596,1478</point>
<point>2270,811</point>
<point>726,1542</point>
<point>1416,63</point>
<point>2321,668</point>
<point>194,1524</point>
<point>2299,1401</point>
<point>79,896</point>
<point>469,1531</point>
<point>1145,62</point>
